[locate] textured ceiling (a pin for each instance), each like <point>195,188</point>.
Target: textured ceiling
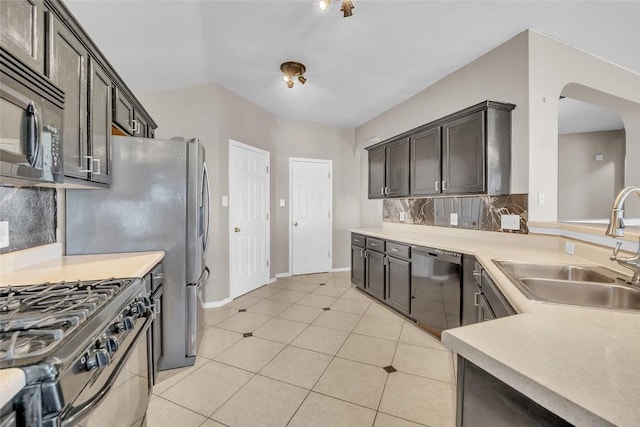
<point>358,67</point>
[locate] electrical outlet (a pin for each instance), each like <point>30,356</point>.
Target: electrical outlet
<point>541,199</point>
<point>401,216</point>
<point>453,219</point>
<point>4,234</point>
<point>570,248</point>
<point>510,222</point>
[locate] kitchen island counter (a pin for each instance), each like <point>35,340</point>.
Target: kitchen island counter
<point>580,363</point>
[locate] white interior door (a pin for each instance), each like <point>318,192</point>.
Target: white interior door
<point>311,228</point>
<point>248,218</point>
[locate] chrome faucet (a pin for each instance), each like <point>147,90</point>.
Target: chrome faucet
<point>616,229</point>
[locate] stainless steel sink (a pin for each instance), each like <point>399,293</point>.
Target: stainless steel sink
<point>584,285</point>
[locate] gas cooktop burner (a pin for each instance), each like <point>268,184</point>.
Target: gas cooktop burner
<point>34,318</point>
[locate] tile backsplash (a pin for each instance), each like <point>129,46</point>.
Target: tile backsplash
<point>31,213</point>
<point>473,212</point>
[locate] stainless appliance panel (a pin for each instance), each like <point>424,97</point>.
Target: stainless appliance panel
<point>30,132</point>
<point>195,313</point>
<point>145,209</point>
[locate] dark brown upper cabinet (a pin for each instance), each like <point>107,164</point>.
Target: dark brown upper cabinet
<point>463,155</point>
<point>467,152</point>
<point>22,31</point>
<point>123,112</point>
<point>425,162</point>
<point>100,123</point>
<point>68,70</point>
<point>389,170</point>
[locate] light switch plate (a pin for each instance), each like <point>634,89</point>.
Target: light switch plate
<point>453,219</point>
<point>282,203</point>
<point>401,216</point>
<point>225,201</point>
<point>510,222</point>
<point>4,234</point>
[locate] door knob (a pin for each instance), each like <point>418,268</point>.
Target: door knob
<point>295,224</point>
<point>236,229</point>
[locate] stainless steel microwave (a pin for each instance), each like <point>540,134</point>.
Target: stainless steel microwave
<point>31,131</point>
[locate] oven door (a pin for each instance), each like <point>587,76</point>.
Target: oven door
<point>122,398</point>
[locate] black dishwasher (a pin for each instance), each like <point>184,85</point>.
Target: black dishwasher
<point>435,288</point>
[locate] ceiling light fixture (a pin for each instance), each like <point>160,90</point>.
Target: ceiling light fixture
<point>293,69</point>
<point>346,9</point>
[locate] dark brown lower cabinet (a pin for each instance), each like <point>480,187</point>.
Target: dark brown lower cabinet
<point>484,400</point>
<point>375,274</point>
<point>398,284</point>
<point>358,266</point>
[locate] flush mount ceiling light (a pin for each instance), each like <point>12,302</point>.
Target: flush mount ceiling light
<point>293,69</point>
<point>346,9</point>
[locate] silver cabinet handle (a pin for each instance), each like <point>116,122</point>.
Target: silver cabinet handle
<point>476,295</point>
<point>437,185</point>
<point>361,253</point>
<point>96,170</point>
<point>135,126</point>
<point>373,244</point>
<point>444,185</point>
<point>90,158</point>
<point>386,190</point>
<point>395,250</point>
<point>382,191</point>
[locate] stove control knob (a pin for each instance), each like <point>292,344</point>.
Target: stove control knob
<point>111,344</point>
<point>138,309</point>
<point>96,359</point>
<point>126,325</point>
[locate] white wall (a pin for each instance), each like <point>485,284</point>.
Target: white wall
<point>586,187</point>
<point>296,139</point>
<point>215,115</point>
<point>556,68</point>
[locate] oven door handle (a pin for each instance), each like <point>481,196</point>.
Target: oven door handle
<point>77,414</point>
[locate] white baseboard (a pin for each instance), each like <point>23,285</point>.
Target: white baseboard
<point>272,280</point>
<point>214,304</point>
<point>287,274</point>
<point>337,270</point>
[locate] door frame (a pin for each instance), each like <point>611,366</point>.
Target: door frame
<point>237,144</point>
<point>290,227</point>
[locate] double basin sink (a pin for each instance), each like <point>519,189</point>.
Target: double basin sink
<point>584,285</point>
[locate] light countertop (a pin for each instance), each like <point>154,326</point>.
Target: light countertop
<point>84,267</point>
<point>580,363</point>
<point>11,382</point>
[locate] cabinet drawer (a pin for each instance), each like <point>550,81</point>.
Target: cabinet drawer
<point>375,244</point>
<point>358,240</point>
<point>398,250</point>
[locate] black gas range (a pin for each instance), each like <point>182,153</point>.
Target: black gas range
<point>77,342</point>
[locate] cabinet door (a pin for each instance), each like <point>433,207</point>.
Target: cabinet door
<point>397,169</point>
<point>463,155</point>
<point>100,123</point>
<point>375,274</point>
<point>357,266</point>
<point>122,111</point>
<point>68,70</point>
<point>494,298</point>
<point>398,283</point>
<point>22,31</point>
<point>425,163</point>
<point>376,173</point>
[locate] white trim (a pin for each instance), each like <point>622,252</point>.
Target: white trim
<point>272,280</point>
<point>279,275</point>
<point>324,161</point>
<point>214,304</point>
<point>605,241</point>
<point>337,270</point>
<point>237,144</point>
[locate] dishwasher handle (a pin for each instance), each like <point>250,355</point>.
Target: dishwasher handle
<point>441,254</point>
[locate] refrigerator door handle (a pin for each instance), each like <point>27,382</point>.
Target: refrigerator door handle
<point>205,181</point>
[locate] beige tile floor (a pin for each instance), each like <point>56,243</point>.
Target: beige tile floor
<point>309,351</point>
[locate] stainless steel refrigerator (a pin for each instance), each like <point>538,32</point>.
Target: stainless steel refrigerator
<point>159,200</point>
